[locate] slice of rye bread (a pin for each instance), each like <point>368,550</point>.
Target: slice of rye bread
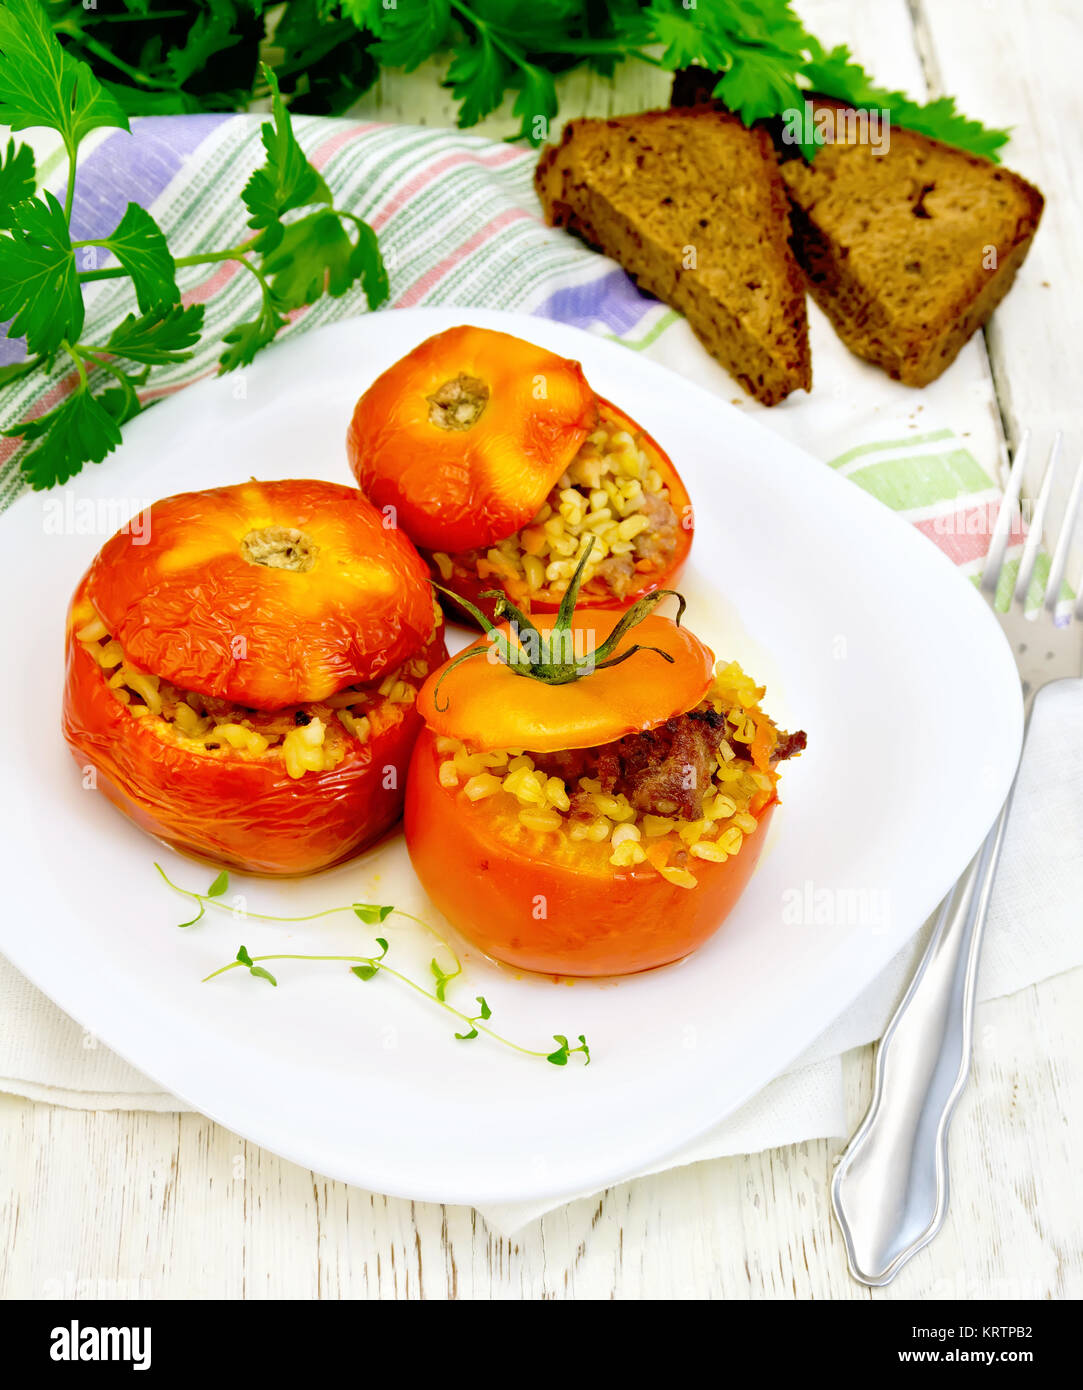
<point>910,251</point>
<point>691,204</point>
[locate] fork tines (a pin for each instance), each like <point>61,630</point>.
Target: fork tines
<point>1009,509</point>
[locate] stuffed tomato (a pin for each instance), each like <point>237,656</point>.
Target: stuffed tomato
<point>243,684</point>
<point>504,467</point>
<point>595,823</point>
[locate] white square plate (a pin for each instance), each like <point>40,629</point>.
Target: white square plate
<point>866,638</point>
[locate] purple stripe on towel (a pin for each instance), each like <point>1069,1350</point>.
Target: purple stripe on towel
<point>133,168</point>
<point>11,349</point>
<point>612,299</point>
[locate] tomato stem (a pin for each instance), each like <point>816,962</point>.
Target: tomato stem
<point>554,661</point>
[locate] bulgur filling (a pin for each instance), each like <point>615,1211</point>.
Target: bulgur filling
<point>712,800</point>
<point>610,493</point>
<point>311,737</point>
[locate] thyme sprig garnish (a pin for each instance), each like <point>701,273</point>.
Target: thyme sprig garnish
<point>372,914</point>
<point>550,657</point>
<point>365,968</point>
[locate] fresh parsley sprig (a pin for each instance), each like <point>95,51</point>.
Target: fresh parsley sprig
<point>205,56</point>
<point>44,270</point>
<point>767,59</point>
<point>366,968</point>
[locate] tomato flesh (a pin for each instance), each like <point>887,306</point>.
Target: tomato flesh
<point>247,813</point>
<point>531,901</point>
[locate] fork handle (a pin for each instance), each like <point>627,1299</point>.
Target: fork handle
<point>890,1189</point>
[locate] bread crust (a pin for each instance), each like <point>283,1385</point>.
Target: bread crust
<point>908,252</point>
<point>648,189</point>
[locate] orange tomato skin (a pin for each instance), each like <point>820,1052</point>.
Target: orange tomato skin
<point>470,585</point>
<point>488,706</point>
<point>185,604</point>
<point>457,489</point>
<point>247,814</point>
<point>576,915</point>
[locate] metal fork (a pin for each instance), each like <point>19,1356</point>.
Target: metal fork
<point>890,1189</point>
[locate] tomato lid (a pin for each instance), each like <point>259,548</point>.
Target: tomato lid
<point>466,434</point>
<point>267,594</point>
<point>488,706</point>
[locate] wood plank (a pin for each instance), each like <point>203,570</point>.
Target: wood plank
<point>1014,63</point>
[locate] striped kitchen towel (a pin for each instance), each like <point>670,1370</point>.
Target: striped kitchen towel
<point>458,223</point>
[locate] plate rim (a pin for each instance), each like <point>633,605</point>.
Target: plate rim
<point>62,987</point>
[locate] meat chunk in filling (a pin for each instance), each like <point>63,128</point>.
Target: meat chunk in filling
<point>664,771</point>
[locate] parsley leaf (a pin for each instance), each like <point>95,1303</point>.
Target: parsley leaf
<point>211,34</point>
<point>315,256</point>
<point>244,340</point>
<point>329,63</point>
<point>16,179</point>
<point>759,84</point>
<point>536,104</point>
<point>366,14</point>
<point>80,428</point>
<point>162,336</point>
<point>286,181</point>
<point>39,285</point>
<point>835,74</point>
<point>367,264</point>
<point>14,371</point>
<point>140,246</point>
<point>314,252</point>
<point>478,77</point>
<point>685,39</point>
<point>204,57</point>
<point>412,31</point>
<point>40,84</point>
<point>121,400</point>
<point>941,121</point>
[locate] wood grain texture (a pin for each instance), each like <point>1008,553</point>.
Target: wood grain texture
<point>157,1206</point>
<point>1012,64</point>
<point>148,1205</point>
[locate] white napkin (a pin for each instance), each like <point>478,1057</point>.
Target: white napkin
<point>1034,932</point>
